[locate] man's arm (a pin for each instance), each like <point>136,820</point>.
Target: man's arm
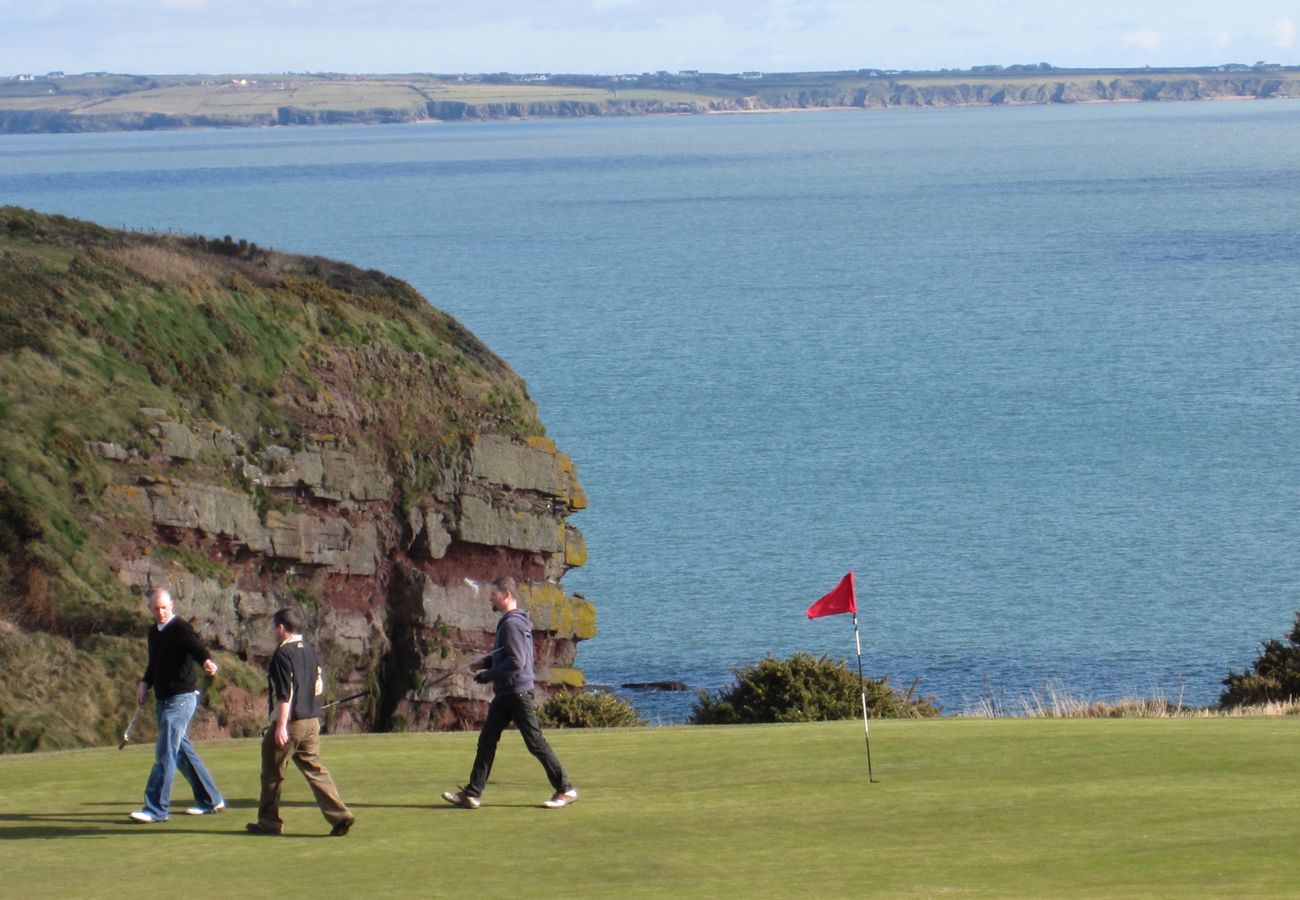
<point>280,680</point>
<point>282,723</point>
<point>194,647</point>
<point>146,680</point>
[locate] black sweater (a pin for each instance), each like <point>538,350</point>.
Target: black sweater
<point>173,652</point>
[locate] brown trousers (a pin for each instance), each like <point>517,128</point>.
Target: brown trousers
<point>304,749</point>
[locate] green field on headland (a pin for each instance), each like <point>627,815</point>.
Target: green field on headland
<point>973,807</point>
<point>106,102</point>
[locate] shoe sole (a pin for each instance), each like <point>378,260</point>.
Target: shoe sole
<point>252,828</point>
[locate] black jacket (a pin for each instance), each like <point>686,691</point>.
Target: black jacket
<point>174,651</point>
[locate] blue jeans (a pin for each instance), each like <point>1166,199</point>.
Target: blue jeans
<point>173,753</point>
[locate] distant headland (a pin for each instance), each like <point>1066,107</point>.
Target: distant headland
<point>102,101</point>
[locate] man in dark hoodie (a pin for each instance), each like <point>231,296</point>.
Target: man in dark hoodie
<point>509,667</point>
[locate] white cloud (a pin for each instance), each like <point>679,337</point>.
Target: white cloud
<point>1220,40</point>
<point>1143,39</point>
<point>1283,33</point>
<point>615,35</point>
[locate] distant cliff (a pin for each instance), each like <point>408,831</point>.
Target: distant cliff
<point>138,102</point>
<point>253,429</point>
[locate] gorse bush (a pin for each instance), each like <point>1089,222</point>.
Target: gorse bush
<point>804,688</point>
<point>1273,677</point>
<point>587,709</point>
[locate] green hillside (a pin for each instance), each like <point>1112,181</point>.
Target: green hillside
<point>102,101</point>
<point>141,370</point>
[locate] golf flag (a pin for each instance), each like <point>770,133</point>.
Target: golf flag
<point>841,600</point>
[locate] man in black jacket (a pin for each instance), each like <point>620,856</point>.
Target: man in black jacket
<point>509,667</point>
<point>174,649</point>
<point>294,688</point>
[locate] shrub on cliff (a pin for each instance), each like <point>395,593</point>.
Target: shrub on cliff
<point>1273,677</point>
<point>804,688</point>
<point>588,709</point>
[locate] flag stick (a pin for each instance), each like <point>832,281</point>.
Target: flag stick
<point>862,683</point>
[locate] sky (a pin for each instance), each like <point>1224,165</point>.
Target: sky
<point>617,36</point>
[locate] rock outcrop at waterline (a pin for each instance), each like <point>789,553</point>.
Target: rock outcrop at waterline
<point>253,429</point>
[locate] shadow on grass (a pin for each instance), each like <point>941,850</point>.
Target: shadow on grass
<point>92,823</point>
<point>43,826</point>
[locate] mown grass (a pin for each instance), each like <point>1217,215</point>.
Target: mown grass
<point>981,808</point>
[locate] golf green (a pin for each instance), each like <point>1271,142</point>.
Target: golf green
<point>971,807</point>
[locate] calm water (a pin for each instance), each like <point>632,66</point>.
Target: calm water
<point>1030,373</point>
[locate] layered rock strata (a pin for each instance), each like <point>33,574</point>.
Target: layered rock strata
<point>255,430</point>
<point>397,603</point>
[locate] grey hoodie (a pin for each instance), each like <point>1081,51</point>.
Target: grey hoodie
<point>511,663</point>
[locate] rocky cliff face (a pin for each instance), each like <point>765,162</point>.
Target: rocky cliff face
<point>254,430</point>
<point>719,94</point>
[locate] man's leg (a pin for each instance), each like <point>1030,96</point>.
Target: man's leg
<point>192,770</point>
<point>305,735</point>
<point>498,718</point>
<point>274,759</point>
<point>526,720</point>
<point>173,718</point>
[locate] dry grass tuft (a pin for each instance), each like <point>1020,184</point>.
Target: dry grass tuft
<point>160,264</point>
<point>1056,703</point>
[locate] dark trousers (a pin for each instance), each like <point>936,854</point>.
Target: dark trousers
<point>517,708</point>
<point>304,749</point>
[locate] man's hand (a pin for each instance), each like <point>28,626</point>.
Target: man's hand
<point>483,677</point>
<point>281,735</point>
<point>210,667</point>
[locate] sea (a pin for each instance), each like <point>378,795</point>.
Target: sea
<point>1030,373</point>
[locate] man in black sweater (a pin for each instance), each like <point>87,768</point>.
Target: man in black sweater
<point>174,649</point>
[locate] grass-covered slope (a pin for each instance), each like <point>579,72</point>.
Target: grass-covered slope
<point>113,343</point>
<point>125,102</point>
<point>972,808</point>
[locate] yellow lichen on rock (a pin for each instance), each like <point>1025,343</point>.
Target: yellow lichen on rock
<point>554,611</point>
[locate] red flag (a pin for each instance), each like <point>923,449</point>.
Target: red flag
<point>841,600</point>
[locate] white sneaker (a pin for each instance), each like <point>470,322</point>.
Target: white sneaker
<point>460,798</point>
<point>562,798</point>
<point>144,818</point>
<point>201,811</point>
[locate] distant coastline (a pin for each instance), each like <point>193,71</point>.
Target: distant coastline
<point>57,103</point>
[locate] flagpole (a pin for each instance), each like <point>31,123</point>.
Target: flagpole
<point>862,683</point>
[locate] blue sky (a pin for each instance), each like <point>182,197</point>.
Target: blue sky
<point>611,36</point>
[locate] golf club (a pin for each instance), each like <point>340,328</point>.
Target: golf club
<point>458,670</point>
<point>345,700</point>
<point>126,735</point>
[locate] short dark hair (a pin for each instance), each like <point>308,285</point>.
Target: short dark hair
<point>506,585</point>
<point>291,619</point>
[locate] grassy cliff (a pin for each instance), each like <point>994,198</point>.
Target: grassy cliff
<point>124,102</point>
<point>251,429</point>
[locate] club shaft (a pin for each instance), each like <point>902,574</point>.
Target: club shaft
<point>346,699</point>
<point>459,669</point>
